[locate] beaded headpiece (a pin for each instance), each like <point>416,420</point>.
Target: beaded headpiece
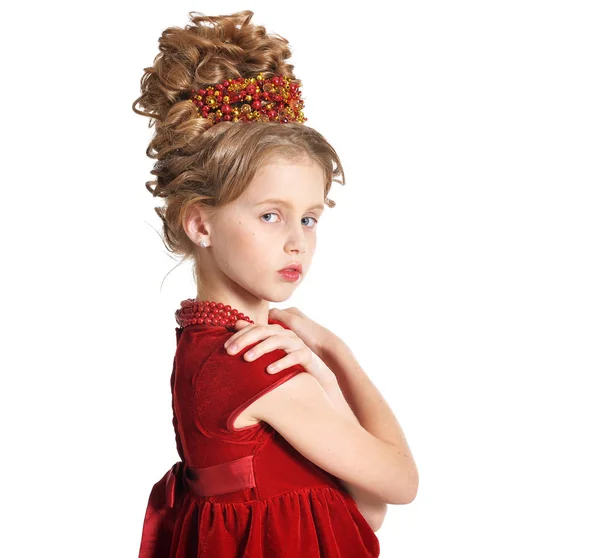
<point>251,99</point>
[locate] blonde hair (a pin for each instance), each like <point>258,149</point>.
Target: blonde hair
<point>199,162</point>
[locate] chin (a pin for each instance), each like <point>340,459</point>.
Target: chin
<point>281,298</point>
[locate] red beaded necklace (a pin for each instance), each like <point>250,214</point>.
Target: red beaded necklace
<point>209,312</point>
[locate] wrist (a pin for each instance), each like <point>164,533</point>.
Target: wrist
<point>328,344</point>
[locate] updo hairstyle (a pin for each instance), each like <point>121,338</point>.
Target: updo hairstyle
<point>206,163</point>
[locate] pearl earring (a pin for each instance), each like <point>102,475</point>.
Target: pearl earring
<point>203,244</point>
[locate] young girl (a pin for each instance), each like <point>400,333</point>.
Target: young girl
<point>274,462</point>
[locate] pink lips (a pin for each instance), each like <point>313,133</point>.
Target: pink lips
<point>294,266</point>
<point>289,274</point>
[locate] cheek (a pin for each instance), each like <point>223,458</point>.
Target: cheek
<point>248,242</point>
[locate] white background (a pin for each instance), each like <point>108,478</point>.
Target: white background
<point>461,264</point>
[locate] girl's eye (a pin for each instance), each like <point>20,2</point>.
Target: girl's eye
<point>276,214</point>
<point>269,214</point>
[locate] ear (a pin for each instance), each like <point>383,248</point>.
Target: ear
<point>195,223</point>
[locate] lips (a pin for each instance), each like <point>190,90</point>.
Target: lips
<point>293,267</point>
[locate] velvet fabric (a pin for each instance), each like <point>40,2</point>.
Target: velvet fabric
<point>242,492</point>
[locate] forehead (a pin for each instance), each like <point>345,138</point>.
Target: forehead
<point>295,182</point>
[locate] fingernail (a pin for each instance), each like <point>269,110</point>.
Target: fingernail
<point>232,348</point>
<point>249,354</point>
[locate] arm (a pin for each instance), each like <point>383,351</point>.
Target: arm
<point>353,394</point>
<point>370,506</point>
<point>383,477</point>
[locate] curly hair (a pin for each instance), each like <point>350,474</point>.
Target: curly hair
<point>206,163</point>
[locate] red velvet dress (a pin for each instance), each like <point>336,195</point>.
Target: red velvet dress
<point>242,492</point>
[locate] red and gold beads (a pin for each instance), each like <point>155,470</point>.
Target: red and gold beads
<point>251,99</point>
<point>210,312</point>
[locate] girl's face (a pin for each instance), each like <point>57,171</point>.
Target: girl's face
<point>271,225</point>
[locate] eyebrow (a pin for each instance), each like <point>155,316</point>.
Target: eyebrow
<point>287,204</point>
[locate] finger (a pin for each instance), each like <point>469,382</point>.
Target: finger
<point>283,363</point>
<point>234,338</point>
<point>293,310</point>
<point>240,324</point>
<point>279,341</point>
<point>280,314</point>
<point>250,335</point>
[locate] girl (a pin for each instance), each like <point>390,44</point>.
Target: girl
<point>274,462</point>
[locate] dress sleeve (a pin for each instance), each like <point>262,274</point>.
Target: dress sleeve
<point>227,384</point>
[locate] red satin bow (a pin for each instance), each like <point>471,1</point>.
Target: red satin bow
<point>159,521</point>
<point>172,478</point>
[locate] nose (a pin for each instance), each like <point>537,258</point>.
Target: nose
<point>297,241</point>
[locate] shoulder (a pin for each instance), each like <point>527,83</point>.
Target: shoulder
<point>198,344</point>
<point>204,347</point>
<point>225,383</point>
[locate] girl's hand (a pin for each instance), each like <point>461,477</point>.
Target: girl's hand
<point>274,337</point>
<point>313,334</point>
